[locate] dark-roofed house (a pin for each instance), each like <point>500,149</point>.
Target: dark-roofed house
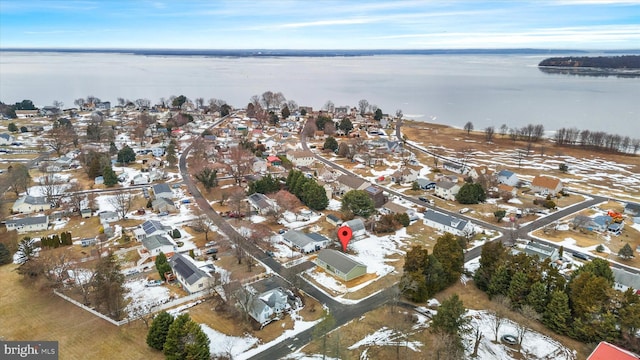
<point>446,223</point>
<point>632,209</point>
<point>156,244</point>
<point>542,251</point>
<point>546,185</point>
<point>393,208</point>
<point>447,190</point>
<point>37,223</point>
<point>149,228</point>
<point>334,220</point>
<point>377,195</point>
<point>340,265</point>
<point>29,204</point>
<point>306,243</point>
<point>192,278</point>
<point>262,203</point>
<point>508,178</point>
<point>162,191</point>
<point>346,183</point>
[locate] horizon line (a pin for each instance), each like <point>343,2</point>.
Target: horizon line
<point>316,49</point>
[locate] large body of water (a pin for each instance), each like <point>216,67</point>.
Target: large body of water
<point>488,90</point>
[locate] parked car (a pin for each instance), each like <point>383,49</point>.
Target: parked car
<point>422,198</point>
<point>211,251</point>
<point>464,210</point>
<point>210,243</point>
<point>269,253</point>
<point>164,213</point>
<point>282,231</point>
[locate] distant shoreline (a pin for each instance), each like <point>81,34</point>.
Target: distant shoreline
<point>315,53</point>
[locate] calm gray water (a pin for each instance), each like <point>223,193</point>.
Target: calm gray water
<point>488,90</point>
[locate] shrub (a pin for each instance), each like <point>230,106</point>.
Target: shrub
<point>549,204</point>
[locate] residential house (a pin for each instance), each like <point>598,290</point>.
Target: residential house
<point>24,114</point>
<point>454,167</point>
<point>508,178</point>
<point>6,139</point>
<point>607,351</point>
<point>27,204</point>
<point>108,217</point>
<point>86,213</point>
<point>157,151</point>
<point>262,203</point>
<point>150,228</point>
<point>447,190</point>
<point>305,243</point>
<point>29,224</point>
<point>156,244</point>
<point>259,165</point>
<point>542,251</point>
<point>405,175</point>
<point>163,205</point>
<point>632,209</point>
<point>192,278</point>
<point>426,184</point>
<point>340,265</point>
<point>264,307</point>
<point>546,185</point>
<point>162,191</point>
<point>507,189</point>
<point>478,171</point>
<point>346,183</point>
<point>301,158</point>
<point>358,230</point>
<point>103,105</point>
<point>624,280</point>
<point>377,195</point>
<point>334,220</point>
<point>447,223</point>
<point>391,207</point>
<point>140,179</point>
<point>274,161</point>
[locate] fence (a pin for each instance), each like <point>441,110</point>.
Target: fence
<point>94,312</point>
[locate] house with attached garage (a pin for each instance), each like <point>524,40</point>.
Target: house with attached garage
<point>29,224</point>
<point>345,183</point>
<point>108,217</point>
<point>391,207</point>
<point>262,203</point>
<point>446,190</point>
<point>447,223</point>
<point>162,191</point>
<point>156,244</point>
<point>192,278</point>
<point>508,178</point>
<point>163,205</point>
<point>340,265</point>
<point>267,306</point>
<point>29,204</point>
<point>546,185</point>
<point>150,228</point>
<point>542,251</point>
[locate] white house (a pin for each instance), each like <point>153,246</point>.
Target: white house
<point>38,223</point>
<point>259,166</point>
<point>306,243</point>
<point>29,204</point>
<point>163,204</point>
<point>140,179</point>
<point>446,223</point>
<point>507,177</point>
<point>624,280</point>
<point>446,190</point>
<point>454,167</point>
<point>162,191</point>
<point>546,185</point>
<point>261,203</point>
<point>266,306</point>
<point>192,278</point>
<point>150,228</point>
<point>156,244</point>
<point>542,251</point>
<point>358,230</point>
<point>301,158</point>
<point>108,217</point>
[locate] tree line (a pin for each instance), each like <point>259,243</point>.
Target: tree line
<point>596,140</point>
<point>609,62</point>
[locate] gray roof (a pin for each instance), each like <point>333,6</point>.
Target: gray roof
<point>151,226</point>
<point>445,184</point>
<point>161,200</point>
<point>5,136</point>
<point>29,221</point>
<point>156,241</point>
<point>626,278</point>
<point>261,201</point>
<point>186,268</point>
<point>355,224</point>
<point>35,200</point>
<point>445,219</point>
<point>161,188</point>
<point>351,181</point>
<point>543,251</point>
<point>107,215</point>
<point>301,239</point>
<point>338,260</point>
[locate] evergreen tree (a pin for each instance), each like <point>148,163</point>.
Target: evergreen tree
<point>626,252</point>
<point>492,254</point>
<point>109,292</point>
<point>315,197</point>
<point>588,293</point>
<point>331,143</point>
<point>208,178</point>
<point>358,203</point>
<point>12,127</point>
<point>471,194</point>
<point>451,320</point>
<point>451,255</point>
<point>436,277</point>
<point>537,297</point>
<point>378,115</point>
<point>126,155</point>
<point>157,334</point>
<point>630,314</point>
<point>170,154</point>
<point>345,125</point>
<point>598,267</point>
<point>112,148</point>
<point>557,313</point>
<point>186,340</point>
<point>162,265</point>
<point>5,255</point>
<point>110,177</point>
<point>499,284</point>
<point>518,289</point>
<point>268,184</point>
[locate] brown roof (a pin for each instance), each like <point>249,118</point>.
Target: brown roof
<point>351,181</point>
<point>546,182</point>
<point>505,187</point>
<point>299,154</point>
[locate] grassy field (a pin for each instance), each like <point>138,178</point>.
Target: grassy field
<point>30,314</point>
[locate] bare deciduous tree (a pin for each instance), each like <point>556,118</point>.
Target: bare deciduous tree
<point>122,202</point>
<point>241,163</point>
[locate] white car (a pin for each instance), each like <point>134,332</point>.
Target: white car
<point>464,210</point>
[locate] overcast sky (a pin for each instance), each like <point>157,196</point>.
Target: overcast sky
<point>313,24</point>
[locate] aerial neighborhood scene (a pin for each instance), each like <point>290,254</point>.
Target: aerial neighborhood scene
<point>379,180</point>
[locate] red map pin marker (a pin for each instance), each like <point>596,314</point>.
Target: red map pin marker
<point>344,234</point>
